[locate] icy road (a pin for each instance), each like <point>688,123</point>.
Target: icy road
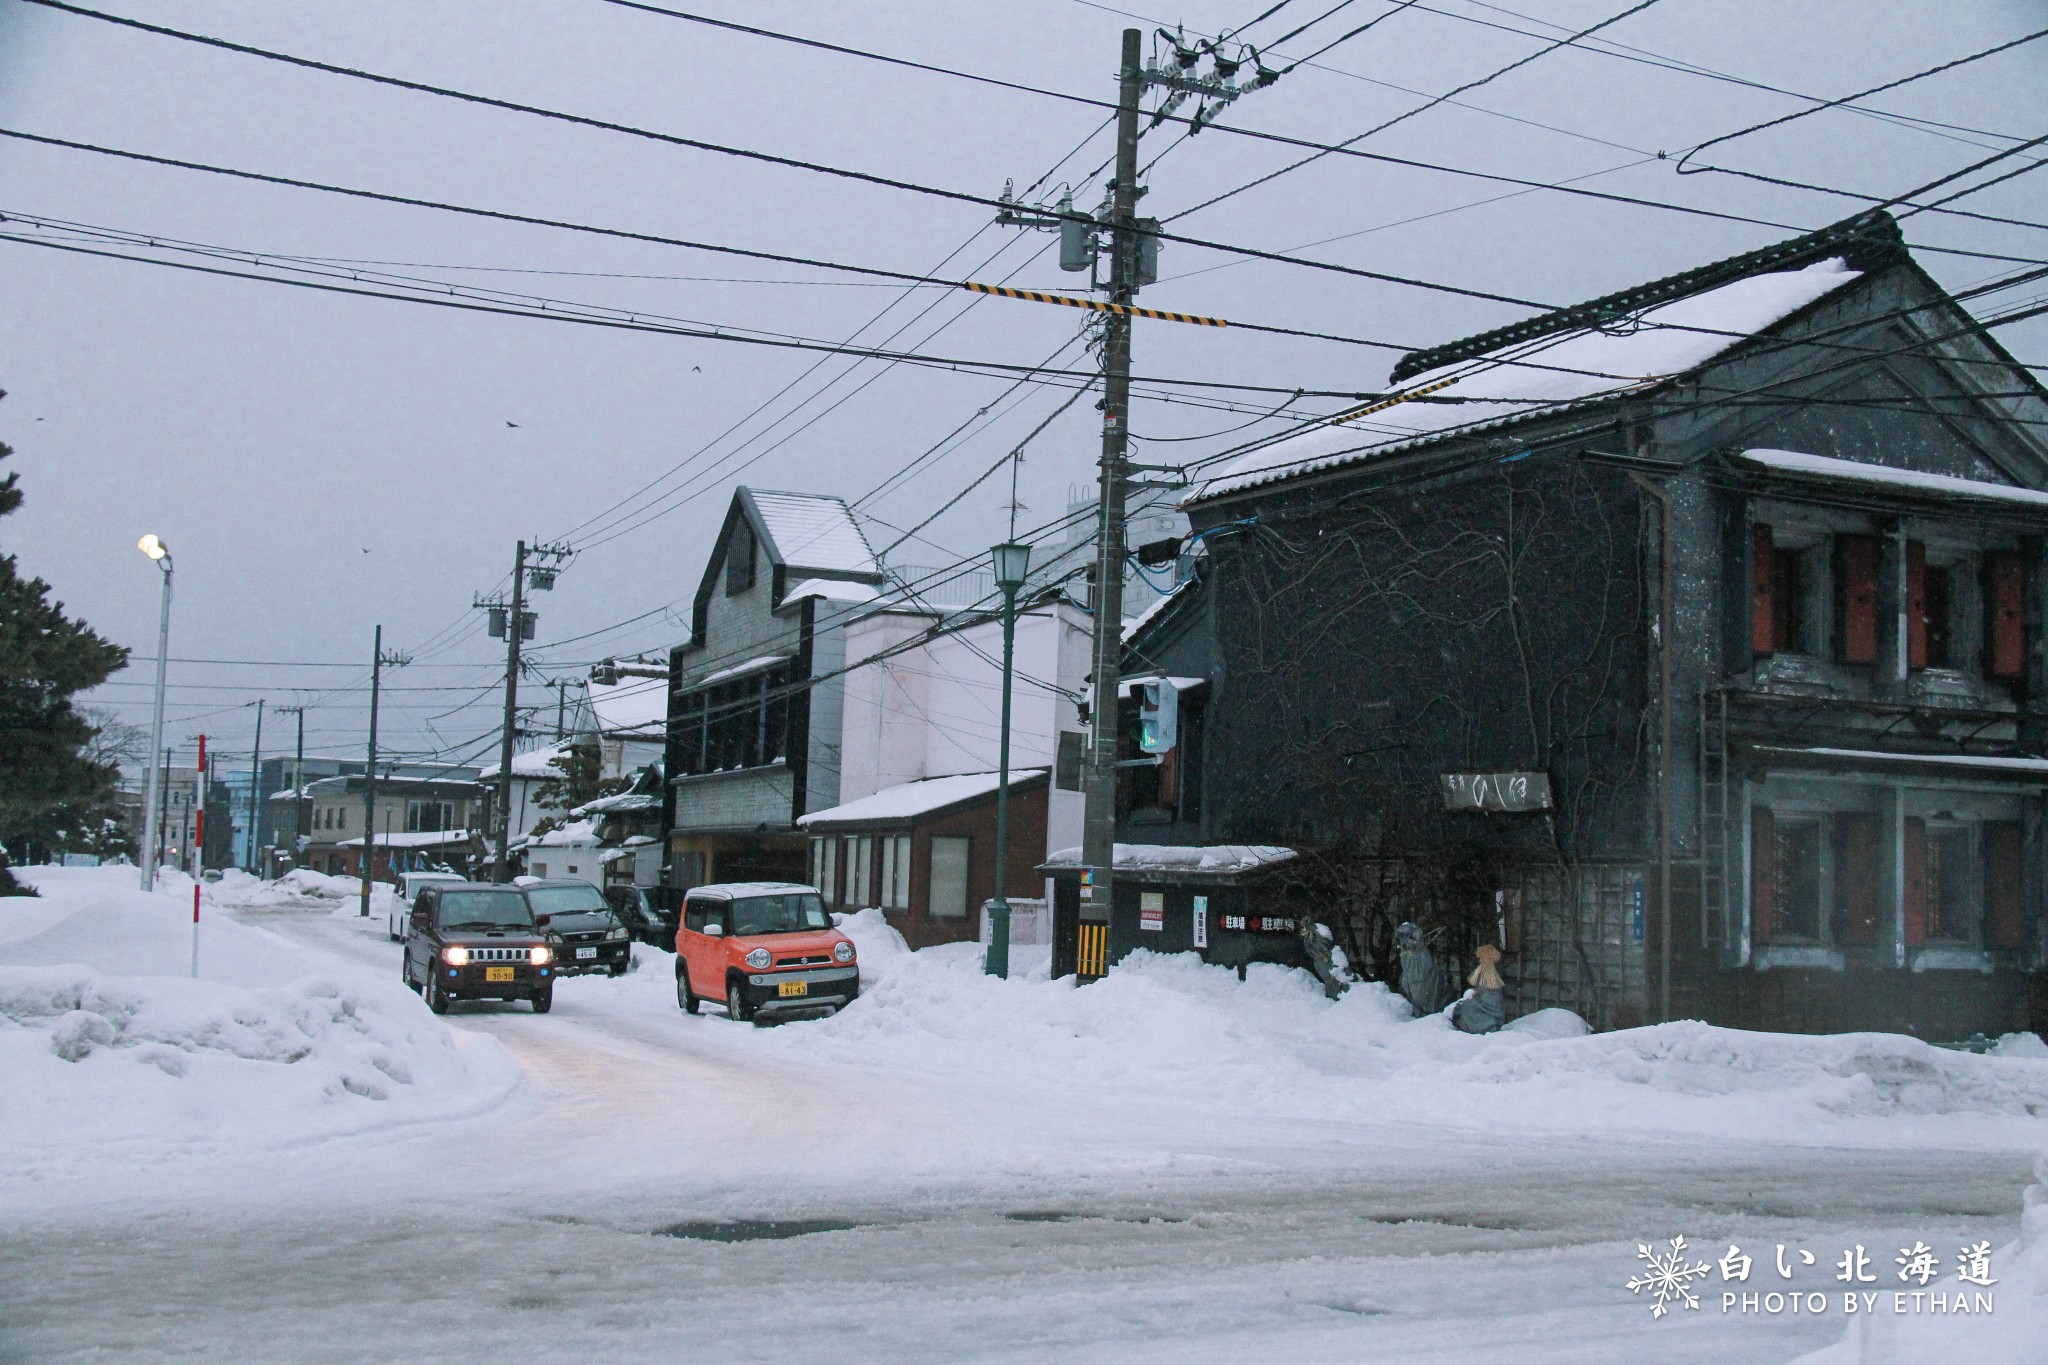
<point>666,1187</point>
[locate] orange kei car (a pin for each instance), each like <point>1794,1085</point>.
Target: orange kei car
<point>767,949</point>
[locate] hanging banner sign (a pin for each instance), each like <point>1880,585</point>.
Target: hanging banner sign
<point>1496,791</point>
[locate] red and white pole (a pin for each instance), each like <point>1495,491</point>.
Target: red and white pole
<point>198,847</point>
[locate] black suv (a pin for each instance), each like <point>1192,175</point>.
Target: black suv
<point>648,912</point>
<point>476,941</point>
<point>586,935</point>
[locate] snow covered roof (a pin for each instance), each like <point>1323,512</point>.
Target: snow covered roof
<point>754,665</point>
<point>624,801</point>
<point>1550,373</point>
<point>1993,763</point>
<point>638,706</point>
<point>1134,681</point>
<point>419,839</point>
<point>575,832</point>
<point>533,763</point>
<point>1898,480</point>
<point>812,531</point>
<point>1153,608</point>
<point>833,589</point>
<point>911,800</point>
<point>1211,859</point>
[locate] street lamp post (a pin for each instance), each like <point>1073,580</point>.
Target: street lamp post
<point>153,546</point>
<point>1012,563</point>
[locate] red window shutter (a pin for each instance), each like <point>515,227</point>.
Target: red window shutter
<point>1762,602</point>
<point>2005,630</point>
<point>1916,881</point>
<point>1763,874</point>
<point>2003,884</point>
<point>1856,598</point>
<point>1856,877</point>
<point>1916,604</point>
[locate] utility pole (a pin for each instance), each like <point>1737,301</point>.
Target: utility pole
<point>1133,251</point>
<point>255,781</point>
<point>298,781</point>
<point>377,663</point>
<point>513,621</point>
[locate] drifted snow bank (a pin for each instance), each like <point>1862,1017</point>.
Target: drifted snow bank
<point>1173,1027</point>
<point>108,1045</point>
<point>299,889</point>
<point>2015,1332</point>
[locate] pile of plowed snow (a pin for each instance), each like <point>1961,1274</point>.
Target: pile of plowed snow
<point>1174,1027</point>
<point>106,1038</point>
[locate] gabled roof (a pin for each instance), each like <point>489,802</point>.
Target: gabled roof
<point>917,800</point>
<point>812,533</point>
<point>1556,371</point>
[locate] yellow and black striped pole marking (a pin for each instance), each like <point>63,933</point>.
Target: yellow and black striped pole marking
<point>1003,291</point>
<point>1092,956</point>
<point>1395,401</point>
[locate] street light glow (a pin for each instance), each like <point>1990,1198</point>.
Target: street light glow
<point>153,546</point>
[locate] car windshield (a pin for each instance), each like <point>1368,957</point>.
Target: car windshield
<point>565,900</point>
<point>789,914</point>
<point>485,910</point>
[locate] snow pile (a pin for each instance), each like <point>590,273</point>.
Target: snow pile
<point>108,1046</point>
<point>1174,1028</point>
<point>300,889</point>
<point>2015,1332</point>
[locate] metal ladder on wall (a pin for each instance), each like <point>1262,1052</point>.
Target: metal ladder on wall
<point>1714,816</point>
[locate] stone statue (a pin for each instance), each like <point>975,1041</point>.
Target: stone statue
<point>1484,1007</point>
<point>1421,981</point>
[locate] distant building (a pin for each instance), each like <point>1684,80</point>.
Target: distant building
<point>421,824</point>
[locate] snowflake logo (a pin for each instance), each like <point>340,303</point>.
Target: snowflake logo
<point>1668,1277</point>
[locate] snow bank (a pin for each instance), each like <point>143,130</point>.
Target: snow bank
<point>110,1049</point>
<point>2015,1332</point>
<point>1172,1027</point>
<point>299,889</point>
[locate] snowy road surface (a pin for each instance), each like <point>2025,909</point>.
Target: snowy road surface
<point>666,1187</point>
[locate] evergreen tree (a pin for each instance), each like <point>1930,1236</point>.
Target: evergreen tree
<point>52,791</point>
<point>580,766</point>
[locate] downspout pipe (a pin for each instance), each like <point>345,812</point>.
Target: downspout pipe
<point>1668,563</point>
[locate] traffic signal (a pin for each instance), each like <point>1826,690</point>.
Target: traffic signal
<point>1158,715</point>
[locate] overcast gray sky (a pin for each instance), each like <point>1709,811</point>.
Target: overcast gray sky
<point>322,463</point>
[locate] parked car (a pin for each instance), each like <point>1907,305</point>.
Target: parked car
<point>767,949</point>
<point>407,891</point>
<point>476,941</point>
<point>649,915</point>
<point>580,924</point>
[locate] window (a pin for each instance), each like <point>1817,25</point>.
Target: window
<point>429,816</point>
<point>1776,584</point>
<point>947,882</point>
<point>1813,877</point>
<point>825,868</point>
<point>1928,629</point>
<point>697,914</point>
<point>739,557</point>
<point>859,852</point>
<point>895,854</point>
<point>540,869</point>
<point>739,724</point>
<point>1954,886</point>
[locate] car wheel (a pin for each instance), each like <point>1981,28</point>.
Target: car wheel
<point>544,999</point>
<point>405,972</point>
<point>619,970</point>
<point>437,995</point>
<point>685,997</point>
<point>735,1001</point>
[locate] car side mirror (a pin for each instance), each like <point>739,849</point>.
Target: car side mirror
<point>419,919</point>
<point>714,930</point>
<point>542,921</point>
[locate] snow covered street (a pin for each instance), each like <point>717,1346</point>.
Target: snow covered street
<point>650,1184</point>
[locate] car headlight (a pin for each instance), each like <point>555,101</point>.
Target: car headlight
<point>455,955</point>
<point>540,955</point>
<point>842,951</point>
<point>759,959</point>
<point>616,933</point>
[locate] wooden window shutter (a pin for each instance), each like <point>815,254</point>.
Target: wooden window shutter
<point>1916,880</point>
<point>1762,604</point>
<point>2004,882</point>
<point>1763,874</point>
<point>1916,604</point>
<point>1856,877</point>
<point>2005,629</point>
<point>1856,599</point>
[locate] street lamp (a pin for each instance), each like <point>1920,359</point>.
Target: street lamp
<point>153,546</point>
<point>1012,563</point>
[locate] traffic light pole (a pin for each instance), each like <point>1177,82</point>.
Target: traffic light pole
<point>1098,830</point>
<point>501,870</point>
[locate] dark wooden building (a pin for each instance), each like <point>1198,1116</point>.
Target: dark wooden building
<point>1688,641</point>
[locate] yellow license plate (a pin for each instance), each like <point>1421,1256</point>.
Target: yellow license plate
<point>792,988</point>
<point>497,973</point>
